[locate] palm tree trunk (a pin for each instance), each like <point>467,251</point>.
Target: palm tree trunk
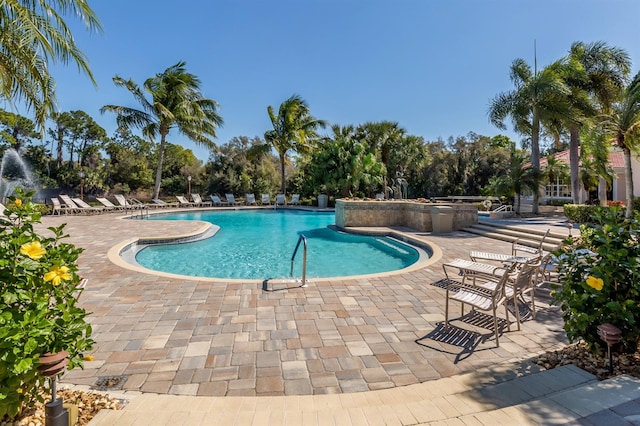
<point>628,177</point>
<point>574,163</point>
<point>156,186</point>
<point>602,191</point>
<point>535,157</point>
<point>282,178</point>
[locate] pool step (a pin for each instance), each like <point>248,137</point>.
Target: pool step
<point>526,236</point>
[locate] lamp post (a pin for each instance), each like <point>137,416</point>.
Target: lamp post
<point>81,174</point>
<point>189,185</point>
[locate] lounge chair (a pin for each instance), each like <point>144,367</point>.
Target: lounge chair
<point>126,204</point>
<point>58,208</point>
<point>231,199</point>
<point>163,204</point>
<point>295,199</point>
<point>70,205</point>
<point>184,202</point>
<point>281,200</point>
<point>86,207</point>
<point>108,204</point>
<point>251,199</point>
<point>215,199</point>
<point>266,199</point>
<point>198,200</point>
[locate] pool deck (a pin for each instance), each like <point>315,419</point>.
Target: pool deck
<point>180,336</point>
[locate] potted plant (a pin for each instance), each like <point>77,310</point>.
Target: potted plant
<point>39,288</point>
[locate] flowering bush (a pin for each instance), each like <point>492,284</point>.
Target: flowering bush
<point>600,279</point>
<point>38,295</point>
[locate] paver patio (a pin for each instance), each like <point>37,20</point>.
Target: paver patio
<point>190,336</point>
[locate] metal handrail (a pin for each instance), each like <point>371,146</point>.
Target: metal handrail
<point>302,239</point>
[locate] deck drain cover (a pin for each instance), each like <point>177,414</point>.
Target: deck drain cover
<point>110,383</point>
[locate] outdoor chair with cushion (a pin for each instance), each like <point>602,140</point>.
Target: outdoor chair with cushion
<point>251,199</point>
<point>217,201</point>
<point>281,200</point>
<point>265,199</point>
<point>231,199</point>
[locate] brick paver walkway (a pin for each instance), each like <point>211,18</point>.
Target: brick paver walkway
<point>200,337</point>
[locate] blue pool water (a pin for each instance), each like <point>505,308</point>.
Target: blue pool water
<point>258,244</point>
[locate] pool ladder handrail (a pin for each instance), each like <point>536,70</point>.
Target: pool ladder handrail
<point>301,239</point>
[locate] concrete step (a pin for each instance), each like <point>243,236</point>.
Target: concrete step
<point>510,233</point>
<point>487,389</point>
<point>568,406</point>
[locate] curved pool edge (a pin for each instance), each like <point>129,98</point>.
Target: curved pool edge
<point>115,255</point>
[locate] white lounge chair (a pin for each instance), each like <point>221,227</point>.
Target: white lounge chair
<point>198,200</point>
<point>266,199</point>
<point>184,202</point>
<point>70,205</point>
<point>108,204</point>
<point>58,208</point>
<point>86,207</point>
<point>251,199</point>
<point>281,200</point>
<point>217,201</point>
<point>163,204</point>
<point>126,204</point>
<point>295,199</point>
<point>231,199</point>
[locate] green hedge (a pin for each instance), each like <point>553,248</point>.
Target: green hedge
<point>580,213</point>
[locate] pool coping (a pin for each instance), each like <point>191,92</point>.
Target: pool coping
<point>120,257</point>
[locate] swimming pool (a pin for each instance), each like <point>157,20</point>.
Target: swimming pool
<point>258,244</point>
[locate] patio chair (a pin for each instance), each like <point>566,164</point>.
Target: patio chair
<point>265,199</point>
<point>295,199</point>
<point>215,199</point>
<point>479,288</point>
<point>86,207</point>
<point>70,205</point>
<point>126,204</point>
<point>184,202</point>
<point>231,199</point>
<point>108,204</point>
<point>519,252</point>
<point>163,204</point>
<point>281,200</point>
<point>198,200</point>
<point>58,208</point>
<point>251,199</point>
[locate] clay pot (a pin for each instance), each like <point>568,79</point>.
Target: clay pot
<point>51,364</point>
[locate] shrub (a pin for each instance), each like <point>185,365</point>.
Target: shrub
<point>38,312</point>
<point>600,280</point>
<point>580,213</point>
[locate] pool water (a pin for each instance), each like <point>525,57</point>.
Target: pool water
<point>258,244</point>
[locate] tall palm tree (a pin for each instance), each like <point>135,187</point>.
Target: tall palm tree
<point>294,129</point>
<point>622,126</point>
<point>176,102</point>
<point>33,34</point>
<point>536,97</point>
<point>600,72</point>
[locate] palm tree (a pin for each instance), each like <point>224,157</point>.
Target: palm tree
<point>294,128</point>
<point>622,126</point>
<point>176,102</point>
<point>537,96</point>
<point>33,34</point>
<point>521,176</point>
<point>555,170</point>
<point>598,71</point>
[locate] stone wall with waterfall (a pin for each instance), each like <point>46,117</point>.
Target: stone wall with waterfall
<point>407,213</point>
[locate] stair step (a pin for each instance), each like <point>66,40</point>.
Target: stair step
<point>564,406</point>
<point>486,389</point>
<point>522,228</point>
<point>547,246</point>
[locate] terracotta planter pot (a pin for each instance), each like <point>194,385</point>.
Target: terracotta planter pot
<point>53,364</point>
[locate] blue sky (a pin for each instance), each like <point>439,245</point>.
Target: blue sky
<point>432,66</point>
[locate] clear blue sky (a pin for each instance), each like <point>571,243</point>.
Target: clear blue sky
<point>430,65</point>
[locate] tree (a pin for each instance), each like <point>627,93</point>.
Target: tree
<point>294,129</point>
<point>599,71</point>
<point>622,126</point>
<point>381,137</point>
<point>16,130</point>
<point>537,96</point>
<point>33,34</point>
<point>520,177</point>
<point>176,102</point>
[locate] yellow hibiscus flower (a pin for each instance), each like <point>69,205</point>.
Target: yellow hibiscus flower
<point>34,250</point>
<point>595,282</point>
<point>57,273</point>
<point>18,202</point>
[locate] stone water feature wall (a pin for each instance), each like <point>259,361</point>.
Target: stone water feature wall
<point>407,213</point>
